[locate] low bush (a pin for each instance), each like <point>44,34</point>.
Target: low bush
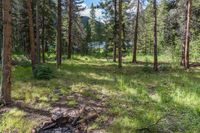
<point>147,68</point>
<point>43,72</point>
<point>21,60</point>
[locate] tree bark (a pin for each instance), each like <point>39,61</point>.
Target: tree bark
<point>184,35</point>
<point>155,36</point>
<point>43,40</point>
<point>37,33</point>
<point>6,53</point>
<point>124,36</point>
<point>136,34</point>
<point>115,32</point>
<point>1,25</point>
<point>70,6</point>
<point>59,35</point>
<point>187,39</point>
<point>120,35</point>
<point>31,34</point>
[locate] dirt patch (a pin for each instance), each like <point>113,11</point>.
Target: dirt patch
<point>88,105</point>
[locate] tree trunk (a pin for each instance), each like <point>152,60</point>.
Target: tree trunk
<point>1,26</point>
<point>31,33</point>
<point>184,36</point>
<point>37,33</point>
<point>115,32</point>
<point>59,36</point>
<point>155,36</point>
<point>43,43</point>
<point>124,36</point>
<point>136,34</point>
<point>120,35</point>
<point>6,53</point>
<point>187,39</point>
<point>70,6</point>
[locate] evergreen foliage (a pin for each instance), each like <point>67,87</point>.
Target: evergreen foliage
<point>43,72</point>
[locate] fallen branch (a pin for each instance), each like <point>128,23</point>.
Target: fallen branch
<point>68,121</point>
<point>149,127</point>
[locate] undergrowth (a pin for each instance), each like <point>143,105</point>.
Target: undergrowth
<point>137,96</point>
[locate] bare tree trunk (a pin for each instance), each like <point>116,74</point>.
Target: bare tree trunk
<point>6,53</point>
<point>124,36</point>
<point>120,35</point>
<point>70,6</point>
<point>1,25</point>
<point>187,39</point>
<point>43,43</point>
<point>31,33</point>
<point>184,36</point>
<point>155,36</point>
<point>59,36</point>
<point>37,33</point>
<point>136,34</point>
<point>115,32</point>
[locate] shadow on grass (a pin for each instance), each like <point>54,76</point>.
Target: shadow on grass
<point>28,109</point>
<point>138,98</point>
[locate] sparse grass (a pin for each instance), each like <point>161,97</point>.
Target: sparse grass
<point>15,121</point>
<point>136,99</point>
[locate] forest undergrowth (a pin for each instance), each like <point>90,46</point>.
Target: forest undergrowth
<point>131,99</point>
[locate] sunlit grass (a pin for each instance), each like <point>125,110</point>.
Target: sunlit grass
<point>136,98</point>
<point>15,121</point>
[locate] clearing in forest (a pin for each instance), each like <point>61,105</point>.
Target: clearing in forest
<point>131,99</point>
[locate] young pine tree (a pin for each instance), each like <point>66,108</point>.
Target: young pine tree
<point>92,23</point>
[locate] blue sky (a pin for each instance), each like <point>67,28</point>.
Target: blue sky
<point>89,2</point>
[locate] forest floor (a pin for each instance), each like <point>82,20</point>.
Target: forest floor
<point>131,99</point>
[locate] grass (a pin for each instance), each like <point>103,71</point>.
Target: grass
<point>15,121</point>
<point>138,99</point>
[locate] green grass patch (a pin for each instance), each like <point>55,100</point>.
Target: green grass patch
<point>137,96</point>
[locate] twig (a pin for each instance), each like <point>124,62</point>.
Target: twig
<point>152,125</point>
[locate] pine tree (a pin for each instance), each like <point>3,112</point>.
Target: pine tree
<point>70,12</point>
<point>115,31</point>
<point>84,48</point>
<point>43,31</point>
<point>74,7</point>
<point>184,35</point>
<point>136,33</point>
<point>187,37</point>
<point>59,35</point>
<point>6,53</point>
<point>37,32</point>
<point>155,36</point>
<point>92,23</point>
<point>31,34</point>
<point>1,26</point>
<point>120,35</point>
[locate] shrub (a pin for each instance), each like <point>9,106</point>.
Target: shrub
<point>43,72</point>
<point>164,67</point>
<point>20,60</point>
<point>147,67</point>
